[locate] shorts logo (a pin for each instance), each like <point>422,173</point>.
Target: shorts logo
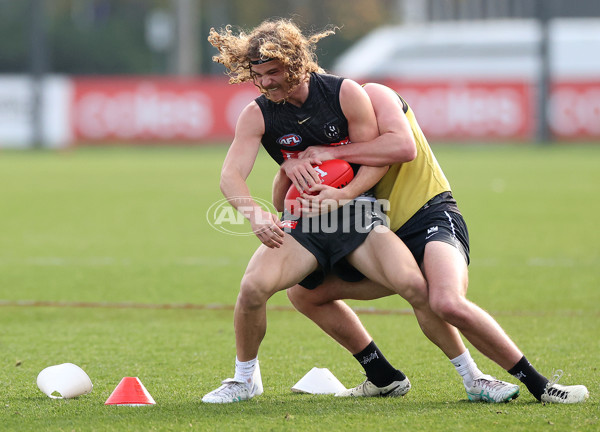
<point>370,225</point>
<point>431,232</point>
<point>289,140</point>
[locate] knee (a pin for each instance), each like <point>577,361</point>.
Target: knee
<point>450,309</point>
<point>297,298</point>
<point>303,300</point>
<point>254,292</point>
<point>414,289</point>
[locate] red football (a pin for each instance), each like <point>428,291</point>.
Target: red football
<point>336,173</point>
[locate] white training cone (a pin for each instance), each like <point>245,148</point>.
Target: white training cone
<point>318,381</point>
<point>64,381</point>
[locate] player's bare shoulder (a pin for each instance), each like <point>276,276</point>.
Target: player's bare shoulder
<point>386,102</point>
<point>357,108</point>
<point>251,120</point>
<point>354,98</point>
<point>379,93</point>
<point>350,90</point>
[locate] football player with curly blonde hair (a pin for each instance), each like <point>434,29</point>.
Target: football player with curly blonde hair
<point>273,39</point>
<point>301,106</point>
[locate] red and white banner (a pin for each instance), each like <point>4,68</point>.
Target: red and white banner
<point>205,110</point>
<point>199,110</point>
<point>470,109</point>
<point>574,110</point>
<point>136,109</point>
<point>156,109</point>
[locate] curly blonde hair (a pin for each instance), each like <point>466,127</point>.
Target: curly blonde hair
<point>279,39</point>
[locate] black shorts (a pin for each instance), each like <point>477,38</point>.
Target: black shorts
<point>332,236</point>
<point>438,220</point>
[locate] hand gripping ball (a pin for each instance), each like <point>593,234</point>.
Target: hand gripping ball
<point>336,173</point>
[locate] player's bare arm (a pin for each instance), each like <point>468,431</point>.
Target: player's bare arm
<point>395,143</point>
<point>236,169</point>
<point>358,110</point>
<point>327,198</point>
<point>362,126</point>
<point>316,192</point>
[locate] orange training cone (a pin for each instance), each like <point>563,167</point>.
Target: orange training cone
<point>130,392</point>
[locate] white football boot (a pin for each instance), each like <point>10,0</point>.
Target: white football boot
<point>557,393</point>
<point>368,389</point>
<point>236,391</point>
<point>486,388</point>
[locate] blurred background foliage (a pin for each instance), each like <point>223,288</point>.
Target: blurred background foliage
<point>110,36</point>
<point>160,37</point>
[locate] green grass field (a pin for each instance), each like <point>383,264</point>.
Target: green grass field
<point>107,261</point>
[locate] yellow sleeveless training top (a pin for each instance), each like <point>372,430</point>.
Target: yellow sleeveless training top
<point>408,186</point>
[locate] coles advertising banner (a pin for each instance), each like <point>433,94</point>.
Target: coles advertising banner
<point>107,110</point>
<point>196,110</point>
<point>471,109</point>
<point>137,109</point>
<point>575,110</point>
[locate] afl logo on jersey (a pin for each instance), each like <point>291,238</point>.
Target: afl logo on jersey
<point>332,131</point>
<point>289,140</point>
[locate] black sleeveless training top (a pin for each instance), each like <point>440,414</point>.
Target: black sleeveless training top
<point>319,121</point>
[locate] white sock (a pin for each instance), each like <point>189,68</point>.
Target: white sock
<point>245,370</point>
<point>466,367</point>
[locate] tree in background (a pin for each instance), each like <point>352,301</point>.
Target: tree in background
<point>109,36</point>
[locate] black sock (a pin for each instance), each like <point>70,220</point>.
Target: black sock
<point>379,371</point>
<point>533,380</point>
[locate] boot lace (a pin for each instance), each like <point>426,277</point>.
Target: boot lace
<point>231,388</point>
<point>553,391</point>
<point>489,384</point>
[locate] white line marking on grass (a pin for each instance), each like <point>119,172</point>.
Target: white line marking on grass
<point>57,261</point>
<point>280,308</point>
<point>551,262</point>
<point>191,306</point>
